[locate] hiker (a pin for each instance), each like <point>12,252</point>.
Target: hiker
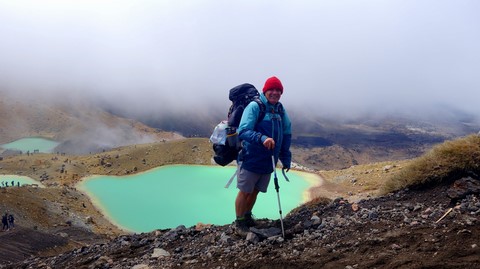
<point>5,222</point>
<point>260,140</point>
<point>11,221</point>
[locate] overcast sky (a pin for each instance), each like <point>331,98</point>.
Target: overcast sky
<point>335,55</point>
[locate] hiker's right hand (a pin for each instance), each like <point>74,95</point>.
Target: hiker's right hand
<point>269,143</point>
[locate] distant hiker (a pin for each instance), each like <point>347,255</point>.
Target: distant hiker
<point>5,222</point>
<point>260,140</point>
<point>11,221</point>
<point>13,183</point>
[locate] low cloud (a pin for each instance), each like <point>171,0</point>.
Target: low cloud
<point>334,58</point>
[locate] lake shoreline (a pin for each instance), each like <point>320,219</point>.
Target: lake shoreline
<point>98,205</point>
<point>309,179</point>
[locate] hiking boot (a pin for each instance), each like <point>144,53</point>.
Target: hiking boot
<point>249,219</point>
<point>241,227</point>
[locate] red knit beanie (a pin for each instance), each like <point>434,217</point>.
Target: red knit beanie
<point>273,83</point>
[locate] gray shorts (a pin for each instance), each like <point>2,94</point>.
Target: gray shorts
<point>248,181</point>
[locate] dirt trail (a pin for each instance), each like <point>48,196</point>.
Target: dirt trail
<point>329,189</point>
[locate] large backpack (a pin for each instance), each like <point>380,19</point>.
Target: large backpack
<point>241,95</point>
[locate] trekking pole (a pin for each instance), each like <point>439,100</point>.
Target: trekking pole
<point>275,180</point>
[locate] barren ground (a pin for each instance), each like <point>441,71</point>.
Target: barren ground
<point>59,219</point>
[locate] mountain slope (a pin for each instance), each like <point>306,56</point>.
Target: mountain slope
<point>424,227</point>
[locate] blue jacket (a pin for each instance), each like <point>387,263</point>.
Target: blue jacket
<point>254,156</point>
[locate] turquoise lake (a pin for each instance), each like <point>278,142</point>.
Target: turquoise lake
<point>169,196</point>
<point>32,143</point>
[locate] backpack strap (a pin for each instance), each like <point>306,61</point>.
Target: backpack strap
<point>232,177</point>
<point>262,107</point>
<point>280,109</point>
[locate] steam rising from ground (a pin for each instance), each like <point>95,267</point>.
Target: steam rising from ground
<point>79,126</point>
<point>101,137</point>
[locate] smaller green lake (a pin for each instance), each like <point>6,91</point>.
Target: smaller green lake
<point>32,143</point>
<point>7,180</point>
<point>169,196</point>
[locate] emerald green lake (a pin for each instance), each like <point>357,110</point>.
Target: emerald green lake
<point>31,144</point>
<point>169,196</point>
